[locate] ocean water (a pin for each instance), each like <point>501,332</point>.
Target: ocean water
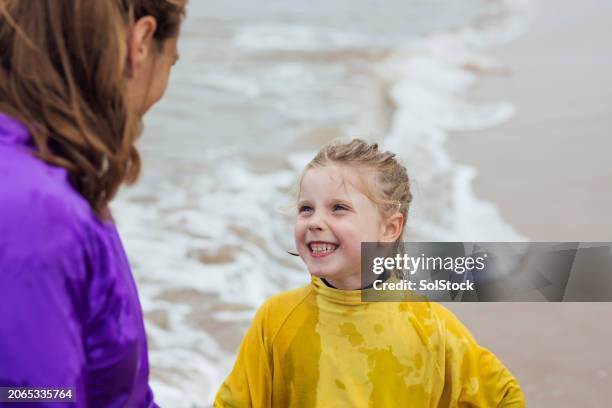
<point>260,87</point>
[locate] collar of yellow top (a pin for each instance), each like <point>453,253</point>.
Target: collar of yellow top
<point>354,297</point>
<point>346,297</point>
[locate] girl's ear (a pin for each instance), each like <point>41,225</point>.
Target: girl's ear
<point>392,228</point>
<point>140,42</point>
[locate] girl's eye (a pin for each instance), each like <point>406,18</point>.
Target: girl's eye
<point>340,207</point>
<point>305,209</point>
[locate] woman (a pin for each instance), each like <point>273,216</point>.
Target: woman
<point>76,76</point>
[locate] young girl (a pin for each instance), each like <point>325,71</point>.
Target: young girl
<point>321,346</point>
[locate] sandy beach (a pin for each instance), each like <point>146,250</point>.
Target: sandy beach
<point>549,171</point>
<point>559,352</point>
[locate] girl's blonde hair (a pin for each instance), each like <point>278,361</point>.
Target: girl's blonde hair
<point>391,189</point>
<point>63,75</point>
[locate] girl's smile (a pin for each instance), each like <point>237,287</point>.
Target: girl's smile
<point>320,249</point>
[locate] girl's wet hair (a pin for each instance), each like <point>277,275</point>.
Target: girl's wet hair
<point>385,179</point>
<point>63,67</point>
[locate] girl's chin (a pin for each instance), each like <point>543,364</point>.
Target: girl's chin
<point>322,273</point>
<point>327,274</point>
<point>318,273</point>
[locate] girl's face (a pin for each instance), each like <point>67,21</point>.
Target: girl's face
<point>334,217</point>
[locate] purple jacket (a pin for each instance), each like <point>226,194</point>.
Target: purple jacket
<point>69,309</point>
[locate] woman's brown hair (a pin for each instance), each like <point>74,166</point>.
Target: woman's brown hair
<point>63,74</point>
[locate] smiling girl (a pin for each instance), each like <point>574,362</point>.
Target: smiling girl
<point>321,346</point>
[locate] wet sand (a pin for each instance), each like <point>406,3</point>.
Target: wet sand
<point>549,168</point>
<point>559,352</point>
<point>549,171</point>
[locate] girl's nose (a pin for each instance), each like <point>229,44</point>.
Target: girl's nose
<point>315,223</point>
<point>315,227</point>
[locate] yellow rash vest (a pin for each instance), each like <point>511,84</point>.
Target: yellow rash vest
<point>322,347</point>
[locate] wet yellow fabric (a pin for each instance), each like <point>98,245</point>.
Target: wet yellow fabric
<point>322,347</point>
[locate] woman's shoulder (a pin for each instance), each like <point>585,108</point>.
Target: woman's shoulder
<point>29,181</point>
<point>39,208</point>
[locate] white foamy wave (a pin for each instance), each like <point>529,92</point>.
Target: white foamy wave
<point>429,84</point>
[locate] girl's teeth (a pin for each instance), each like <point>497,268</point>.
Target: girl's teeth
<point>320,248</point>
